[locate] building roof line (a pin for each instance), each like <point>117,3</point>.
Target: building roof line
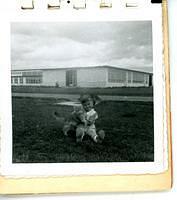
<point>88,67</point>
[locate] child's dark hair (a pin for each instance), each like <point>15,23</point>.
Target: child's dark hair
<point>89,97</point>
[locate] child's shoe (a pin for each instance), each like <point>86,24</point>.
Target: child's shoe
<point>100,136</point>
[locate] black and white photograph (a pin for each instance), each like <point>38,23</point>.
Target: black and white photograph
<point>82,92</point>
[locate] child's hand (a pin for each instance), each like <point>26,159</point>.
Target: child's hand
<point>85,122</point>
<point>90,122</point>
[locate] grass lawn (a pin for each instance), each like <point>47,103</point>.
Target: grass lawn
<point>38,138</point>
<point>120,91</point>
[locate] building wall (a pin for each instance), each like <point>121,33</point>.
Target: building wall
<point>86,77</point>
<point>53,77</point>
<point>92,77</point>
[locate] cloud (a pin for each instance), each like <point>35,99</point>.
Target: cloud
<point>81,44</point>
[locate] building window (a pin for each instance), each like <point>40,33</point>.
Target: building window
<point>116,76</point>
<point>146,79</point>
<point>16,80</point>
<point>138,77</point>
<point>33,80</point>
<point>21,80</point>
<point>129,77</point>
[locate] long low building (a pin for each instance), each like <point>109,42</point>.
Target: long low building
<point>98,76</point>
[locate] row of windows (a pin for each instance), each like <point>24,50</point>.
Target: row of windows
<point>16,73</point>
<point>32,73</point>
<point>34,80</point>
<point>27,80</point>
<point>138,77</point>
<point>115,76</point>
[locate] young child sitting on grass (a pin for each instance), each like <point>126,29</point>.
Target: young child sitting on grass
<point>82,120</point>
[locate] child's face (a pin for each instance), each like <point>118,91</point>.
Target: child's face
<point>88,105</point>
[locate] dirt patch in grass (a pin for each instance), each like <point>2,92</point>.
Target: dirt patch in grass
<point>38,137</point>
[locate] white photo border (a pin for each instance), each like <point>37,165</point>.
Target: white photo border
<point>152,13</point>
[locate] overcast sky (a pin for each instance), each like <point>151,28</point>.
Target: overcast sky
<point>82,44</point>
